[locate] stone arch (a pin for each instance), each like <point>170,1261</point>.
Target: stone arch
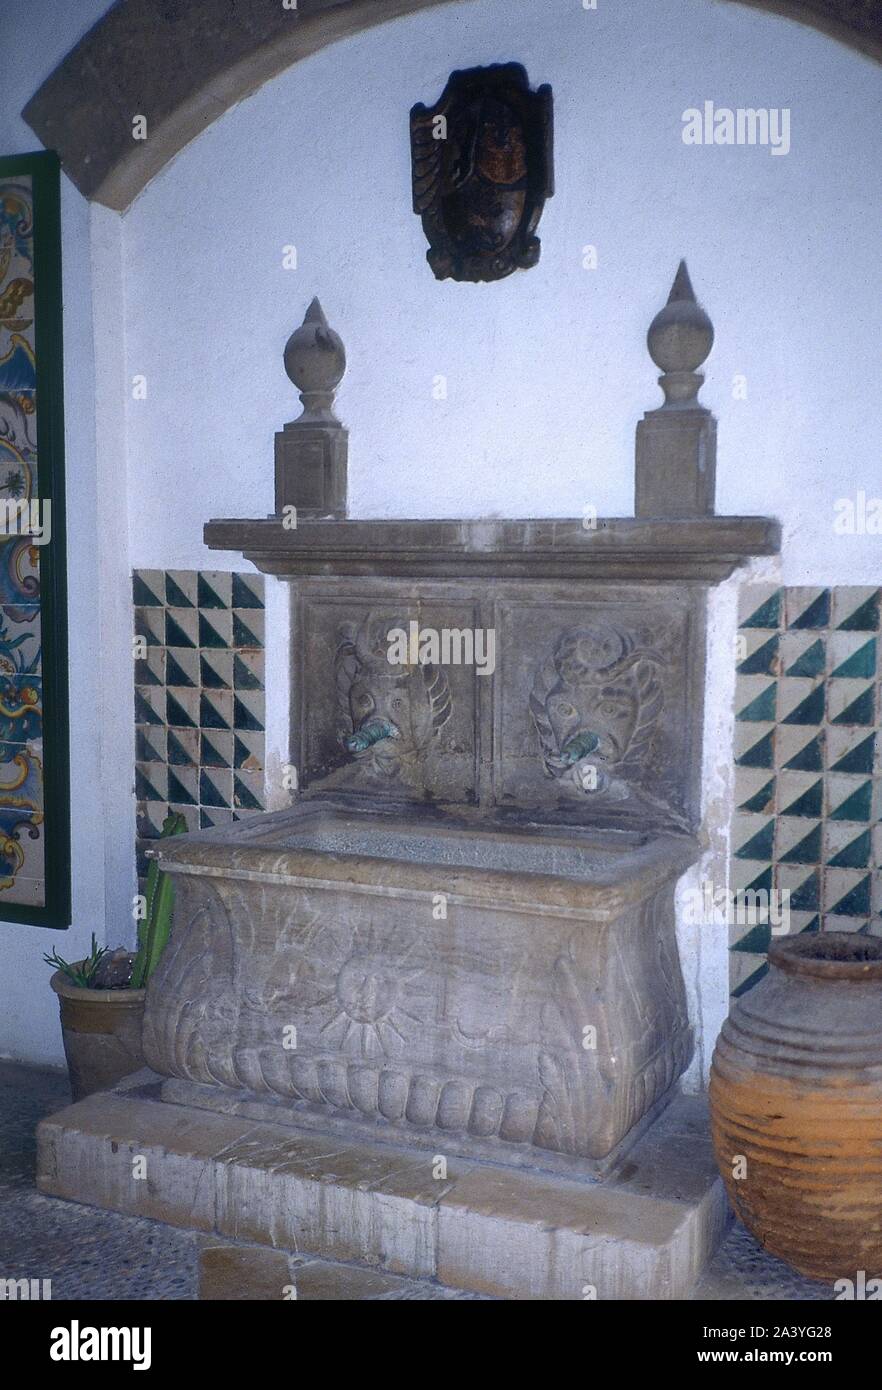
<point>183,63</point>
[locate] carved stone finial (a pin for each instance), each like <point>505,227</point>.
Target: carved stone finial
<point>676,461</point>
<point>315,360</point>
<point>312,451</point>
<point>680,337</point>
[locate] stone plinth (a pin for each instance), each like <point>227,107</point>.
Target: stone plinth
<point>644,1233</point>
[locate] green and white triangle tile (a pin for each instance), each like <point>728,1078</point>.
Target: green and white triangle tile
<point>754,790</point>
<point>803,654</point>
<point>214,589</point>
<point>180,588</point>
<point>756,939</point>
<point>248,629</point>
<point>762,655</point>
<point>149,707</point>
<point>797,799</point>
<point>801,884</point>
<point>854,854</point>
<point>856,609</point>
<point>753,837</point>
<point>216,709</point>
<point>215,629</point>
<point>852,702</point>
<point>248,591</point>
<point>216,787</point>
<point>150,624</point>
<point>182,667</point>
<point>852,656</point>
<point>148,588</point>
<point>847,893</point>
<point>760,606</point>
<point>150,669</point>
<point>801,701</point>
<point>849,798</point>
<point>755,700</point>
<point>150,744</point>
<point>248,751</point>
<point>249,711</point>
<point>181,628</point>
<point>150,781</point>
<point>216,670</point>
<point>851,750</point>
<point>746,971</point>
<point>183,786</point>
<point>754,746</point>
<point>183,747</point>
<point>808,608</point>
<point>212,816</point>
<point>798,842</point>
<point>248,792</point>
<point>798,748</point>
<point>747,873</point>
<point>216,748</point>
<point>249,670</point>
<point>181,709</point>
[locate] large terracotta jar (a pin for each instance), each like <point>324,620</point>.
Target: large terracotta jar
<point>796,1105</point>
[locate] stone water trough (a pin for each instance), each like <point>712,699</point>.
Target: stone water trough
<point>432,1017</point>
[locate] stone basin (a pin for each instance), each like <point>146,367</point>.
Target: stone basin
<point>511,992</point>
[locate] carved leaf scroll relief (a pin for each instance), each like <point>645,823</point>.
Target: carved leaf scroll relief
<point>595,705</point>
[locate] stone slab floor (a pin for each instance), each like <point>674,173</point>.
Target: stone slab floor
<point>91,1254</point>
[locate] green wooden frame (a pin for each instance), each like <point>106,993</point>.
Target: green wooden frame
<point>44,171</point>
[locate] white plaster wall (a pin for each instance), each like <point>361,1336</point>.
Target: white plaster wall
<point>547,372</point>
<point>33,38</point>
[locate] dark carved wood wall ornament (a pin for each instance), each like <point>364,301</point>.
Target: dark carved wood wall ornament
<point>482,170</point>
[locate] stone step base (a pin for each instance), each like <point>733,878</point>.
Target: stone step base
<point>645,1232</point>
<point>260,1273</point>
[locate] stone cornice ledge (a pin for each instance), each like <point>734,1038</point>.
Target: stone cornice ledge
<point>703,549</point>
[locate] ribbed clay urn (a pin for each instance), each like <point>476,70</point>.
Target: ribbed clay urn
<point>796,1105</point>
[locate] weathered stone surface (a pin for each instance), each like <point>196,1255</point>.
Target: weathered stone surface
<point>312,451</point>
<point>484,1229</point>
<point>184,64</point>
<point>701,548</point>
<point>676,463</point>
<point>538,1020</point>
<point>239,1273</point>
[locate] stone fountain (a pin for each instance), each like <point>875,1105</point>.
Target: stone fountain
<point>431,1018</point>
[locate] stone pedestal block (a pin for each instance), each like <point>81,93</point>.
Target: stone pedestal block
<point>676,463</point>
<point>644,1233</point>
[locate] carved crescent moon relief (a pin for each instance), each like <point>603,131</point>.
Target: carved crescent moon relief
<point>482,170</point>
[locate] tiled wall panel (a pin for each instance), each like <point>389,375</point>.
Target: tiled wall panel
<point>808,772</point>
<point>199,697</point>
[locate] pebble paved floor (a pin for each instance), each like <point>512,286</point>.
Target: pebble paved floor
<point>90,1254</point>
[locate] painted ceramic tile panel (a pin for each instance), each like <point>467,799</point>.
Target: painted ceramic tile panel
<point>808,765</point>
<point>199,698</point>
<point>22,849</point>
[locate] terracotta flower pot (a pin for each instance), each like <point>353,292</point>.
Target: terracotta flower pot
<point>101,1029</point>
<point>796,1091</point>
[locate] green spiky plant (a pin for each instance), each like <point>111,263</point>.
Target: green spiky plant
<point>153,931</point>
<point>82,972</point>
